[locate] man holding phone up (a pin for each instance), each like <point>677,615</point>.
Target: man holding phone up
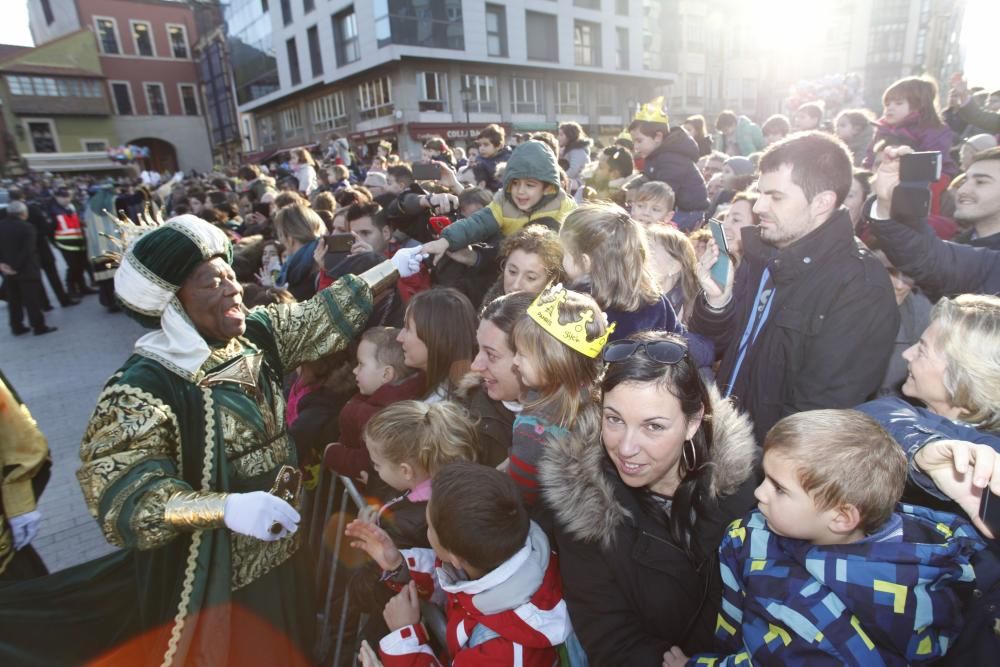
<point>810,318</point>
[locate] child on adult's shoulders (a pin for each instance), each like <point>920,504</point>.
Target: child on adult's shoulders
<point>830,570</point>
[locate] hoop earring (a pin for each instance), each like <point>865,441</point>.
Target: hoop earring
<point>693,463</point>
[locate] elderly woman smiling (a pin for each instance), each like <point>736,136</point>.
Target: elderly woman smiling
<point>953,442</point>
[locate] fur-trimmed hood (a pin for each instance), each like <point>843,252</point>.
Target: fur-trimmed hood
<point>582,497</point>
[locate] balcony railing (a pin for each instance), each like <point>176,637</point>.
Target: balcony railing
<point>84,161</point>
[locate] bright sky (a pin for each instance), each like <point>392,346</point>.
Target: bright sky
<point>982,18</point>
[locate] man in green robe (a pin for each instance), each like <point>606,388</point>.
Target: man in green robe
<point>188,437</point>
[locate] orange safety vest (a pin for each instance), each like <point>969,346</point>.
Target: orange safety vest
<point>68,227</point>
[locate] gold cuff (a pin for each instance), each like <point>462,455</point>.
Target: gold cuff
<point>195,510</point>
<point>380,277</point>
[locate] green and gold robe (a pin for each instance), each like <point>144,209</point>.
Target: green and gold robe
<point>212,596</point>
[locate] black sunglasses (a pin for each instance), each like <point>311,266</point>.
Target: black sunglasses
<point>660,351</point>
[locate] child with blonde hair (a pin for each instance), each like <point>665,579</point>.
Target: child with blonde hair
<point>408,442</point>
<point>605,253</point>
<point>557,358</point>
<point>674,263</point>
<point>654,204</point>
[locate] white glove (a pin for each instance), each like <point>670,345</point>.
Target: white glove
<point>24,527</point>
<point>254,513</point>
<point>407,261</point>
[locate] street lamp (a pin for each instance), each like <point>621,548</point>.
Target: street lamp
<point>466,93</point>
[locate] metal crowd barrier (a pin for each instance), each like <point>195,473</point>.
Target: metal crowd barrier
<point>319,506</point>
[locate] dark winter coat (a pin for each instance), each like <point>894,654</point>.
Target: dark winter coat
<point>940,268</point>
<point>675,163</point>
<point>351,458</point>
<point>632,591</point>
<point>18,249</point>
<point>830,331</point>
<point>485,168</point>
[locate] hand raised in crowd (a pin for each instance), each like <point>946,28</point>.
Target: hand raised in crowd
<point>436,249</point>
<point>367,656</point>
<point>403,609</point>
<point>717,297</point>
<point>7,270</point>
<point>887,178</point>
<point>375,542</point>
<point>360,246</point>
<point>963,471</point>
<point>449,178</point>
<point>674,657</point>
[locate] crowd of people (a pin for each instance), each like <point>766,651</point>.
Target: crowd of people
<point>690,398</point>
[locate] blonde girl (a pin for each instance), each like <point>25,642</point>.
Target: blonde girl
<point>558,380</point>
<point>674,263</point>
<point>409,442</point>
<point>605,252</point>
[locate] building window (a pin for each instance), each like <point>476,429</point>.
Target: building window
<point>265,131</point>
<point>156,100</point>
<point>293,62</point>
<point>431,23</point>
<point>621,48</point>
<point>47,11</point>
<point>286,12</point>
<point>291,121</point>
<point>542,36</point>
<point>107,35</point>
<point>526,95</point>
<point>43,136</point>
<point>121,93</point>
<point>496,31</point>
<point>142,38</point>
<point>568,101</point>
<point>606,95</point>
<point>694,33</point>
<point>481,93</point>
<point>621,7</point>
<point>433,91</point>
<point>588,4</point>
<point>189,99</point>
<point>177,35</point>
<point>345,37</point>
<point>94,145</point>
<point>315,55</point>
<point>308,6</point>
<point>375,98</point>
<point>587,44</point>
<point>329,112</point>
<point>695,89</point>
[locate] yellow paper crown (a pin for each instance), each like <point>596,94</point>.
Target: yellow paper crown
<point>653,112</point>
<point>545,311</point>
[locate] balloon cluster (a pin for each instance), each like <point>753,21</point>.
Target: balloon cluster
<point>129,153</point>
<point>835,91</point>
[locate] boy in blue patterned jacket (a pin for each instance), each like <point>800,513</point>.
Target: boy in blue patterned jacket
<point>829,570</point>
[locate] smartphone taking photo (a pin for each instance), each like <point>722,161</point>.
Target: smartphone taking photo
<point>720,270</point>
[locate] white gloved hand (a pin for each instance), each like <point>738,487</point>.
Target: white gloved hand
<point>254,513</point>
<point>407,261</point>
<point>24,527</point>
<point>444,202</point>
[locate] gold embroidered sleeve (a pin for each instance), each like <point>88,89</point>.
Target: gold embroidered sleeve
<point>131,458</point>
<point>23,451</point>
<point>322,325</point>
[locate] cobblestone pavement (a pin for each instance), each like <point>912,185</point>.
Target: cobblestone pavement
<point>59,376</point>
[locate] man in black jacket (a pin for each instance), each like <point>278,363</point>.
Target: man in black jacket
<point>811,318</point>
<point>21,270</point>
<point>43,230</point>
<point>941,268</point>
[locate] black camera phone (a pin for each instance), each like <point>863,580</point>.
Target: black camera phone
<point>922,167</point>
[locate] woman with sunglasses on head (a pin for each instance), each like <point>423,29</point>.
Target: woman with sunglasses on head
<point>641,500</point>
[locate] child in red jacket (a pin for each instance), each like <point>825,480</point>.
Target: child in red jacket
<point>383,379</point>
<point>490,564</point>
